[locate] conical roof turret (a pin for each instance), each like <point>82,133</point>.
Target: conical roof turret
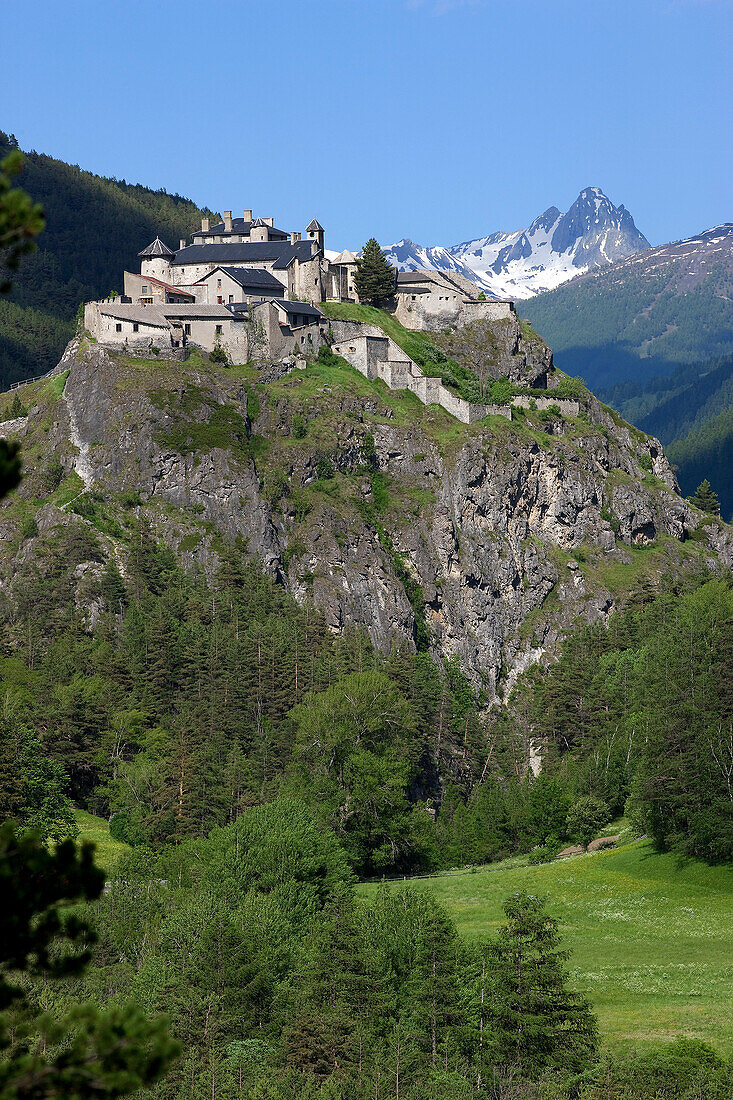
<point>156,248</point>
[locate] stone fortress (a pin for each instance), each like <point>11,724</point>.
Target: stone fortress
<point>254,290</point>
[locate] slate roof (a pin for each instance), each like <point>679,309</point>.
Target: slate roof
<point>417,277</point>
<point>314,226</point>
<point>249,277</point>
<point>222,254</point>
<point>304,308</point>
<point>240,227</point>
<point>127,311</point>
<point>187,310</point>
<point>156,248</point>
<point>344,257</point>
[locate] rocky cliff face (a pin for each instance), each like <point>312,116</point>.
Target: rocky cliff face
<point>484,541</point>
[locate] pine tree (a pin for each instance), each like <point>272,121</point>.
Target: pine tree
<point>536,1021</point>
<point>375,278</point>
<point>88,1052</point>
<point>706,499</point>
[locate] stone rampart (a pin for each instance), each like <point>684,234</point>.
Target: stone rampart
<point>566,405</point>
<point>376,355</point>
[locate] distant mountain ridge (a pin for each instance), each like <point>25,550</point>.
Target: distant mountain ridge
<point>555,248</point>
<point>643,317</point>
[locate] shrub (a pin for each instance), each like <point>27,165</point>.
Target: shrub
<point>324,468</point>
<point>53,475</point>
<point>218,355</point>
<point>299,426</point>
<point>28,528</point>
<point>586,817</point>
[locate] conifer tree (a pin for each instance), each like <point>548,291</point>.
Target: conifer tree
<point>88,1052</point>
<point>536,1022</point>
<point>706,499</point>
<point>375,278</point>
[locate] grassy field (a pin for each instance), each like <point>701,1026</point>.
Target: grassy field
<point>651,939</point>
<point>96,829</point>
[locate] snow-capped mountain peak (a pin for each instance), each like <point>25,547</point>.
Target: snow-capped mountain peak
<point>556,247</point>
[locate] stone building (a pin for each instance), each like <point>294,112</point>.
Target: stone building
<point>430,299</point>
<point>254,289</point>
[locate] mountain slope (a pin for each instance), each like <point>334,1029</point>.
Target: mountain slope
<point>94,229</point>
<point>388,514</point>
<point>644,316</point>
<point>556,247</point>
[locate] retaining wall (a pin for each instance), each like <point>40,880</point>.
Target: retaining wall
<point>566,405</point>
<point>376,355</point>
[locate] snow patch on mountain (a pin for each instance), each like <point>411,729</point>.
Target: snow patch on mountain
<point>555,248</point>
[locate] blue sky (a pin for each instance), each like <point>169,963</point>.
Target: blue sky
<point>441,120</point>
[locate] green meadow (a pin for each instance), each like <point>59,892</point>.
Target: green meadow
<point>107,849</point>
<point>650,937</point>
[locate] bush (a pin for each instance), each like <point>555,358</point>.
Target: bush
<point>586,817</point>
<point>53,475</point>
<point>29,528</point>
<point>299,426</point>
<point>218,355</point>
<point>324,468</point>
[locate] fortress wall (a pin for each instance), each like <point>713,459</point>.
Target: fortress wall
<point>485,311</point>
<point>378,356</point>
<point>566,406</point>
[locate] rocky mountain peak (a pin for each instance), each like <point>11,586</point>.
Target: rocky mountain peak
<point>556,247</point>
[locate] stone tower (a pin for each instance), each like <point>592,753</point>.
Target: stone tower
<point>155,260</point>
<point>315,233</point>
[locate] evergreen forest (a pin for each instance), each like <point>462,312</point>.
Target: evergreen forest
<point>94,229</point>
<point>256,765</point>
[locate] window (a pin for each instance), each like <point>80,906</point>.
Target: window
<point>218,330</point>
<point>118,328</point>
<point>135,326</point>
<point>218,284</point>
<point>187,329</point>
<point>231,297</point>
<point>144,289</point>
<point>220,300</point>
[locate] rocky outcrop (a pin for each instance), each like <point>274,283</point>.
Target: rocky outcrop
<point>487,539</point>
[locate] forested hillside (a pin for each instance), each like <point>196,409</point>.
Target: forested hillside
<point>645,316</point>
<point>653,336</point>
<point>94,229</point>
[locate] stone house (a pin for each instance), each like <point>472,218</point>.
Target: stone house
<point>229,285</point>
<point>288,328</point>
<point>430,299</point>
<point>145,290</point>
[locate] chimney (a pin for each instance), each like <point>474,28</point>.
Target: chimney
<point>294,237</point>
<point>204,225</point>
<point>227,221</point>
<point>269,221</point>
<point>248,215</point>
<point>181,243</point>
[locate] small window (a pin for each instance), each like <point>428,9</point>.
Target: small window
<point>220,300</point>
<point>187,329</point>
<point>231,297</point>
<point>218,330</point>
<point>145,289</point>
<point>302,339</point>
<point>218,284</point>
<point>118,328</point>
<point>135,326</point>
